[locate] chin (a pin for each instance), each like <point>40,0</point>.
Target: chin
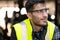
<point>44,24</point>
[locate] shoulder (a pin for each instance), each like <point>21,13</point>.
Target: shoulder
<point>57,29</point>
<point>24,21</point>
<point>56,33</point>
<point>17,24</point>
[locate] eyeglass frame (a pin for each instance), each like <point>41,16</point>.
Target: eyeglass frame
<point>41,10</point>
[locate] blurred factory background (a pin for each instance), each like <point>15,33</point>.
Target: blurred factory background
<point>10,14</point>
<point>58,13</point>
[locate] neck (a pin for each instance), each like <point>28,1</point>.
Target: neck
<point>36,27</point>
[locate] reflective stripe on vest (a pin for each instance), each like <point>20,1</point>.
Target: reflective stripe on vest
<point>24,30</point>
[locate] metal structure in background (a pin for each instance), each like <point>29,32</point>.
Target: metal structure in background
<point>57,21</point>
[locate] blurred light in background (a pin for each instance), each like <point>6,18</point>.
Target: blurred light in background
<point>16,9</point>
<point>10,11</point>
<point>2,16</point>
<point>52,17</point>
<point>23,11</point>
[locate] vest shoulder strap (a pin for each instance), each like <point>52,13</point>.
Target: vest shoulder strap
<point>18,30</point>
<point>23,30</point>
<point>50,31</point>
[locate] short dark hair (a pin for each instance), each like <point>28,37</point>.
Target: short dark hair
<point>29,4</point>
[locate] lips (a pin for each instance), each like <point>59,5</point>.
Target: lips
<point>44,20</point>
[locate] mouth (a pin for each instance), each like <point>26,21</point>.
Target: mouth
<point>44,20</point>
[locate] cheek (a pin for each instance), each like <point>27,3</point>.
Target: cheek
<point>36,17</point>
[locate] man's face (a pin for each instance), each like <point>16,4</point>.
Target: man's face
<point>39,14</point>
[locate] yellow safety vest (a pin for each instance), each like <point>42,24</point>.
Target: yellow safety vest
<point>24,30</point>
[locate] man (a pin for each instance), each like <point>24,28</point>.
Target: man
<point>36,27</point>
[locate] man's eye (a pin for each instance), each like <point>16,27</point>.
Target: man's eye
<point>41,10</point>
<point>47,9</point>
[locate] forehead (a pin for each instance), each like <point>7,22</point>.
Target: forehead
<point>39,6</point>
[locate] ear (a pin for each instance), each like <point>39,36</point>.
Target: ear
<point>29,15</point>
